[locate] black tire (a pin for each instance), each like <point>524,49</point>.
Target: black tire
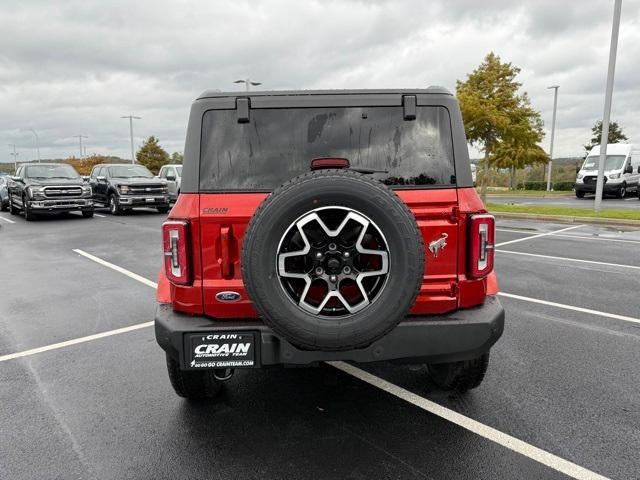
<point>341,189</point>
<point>29,216</point>
<point>4,206</point>
<point>163,209</point>
<point>13,210</point>
<point>114,208</point>
<point>459,376</point>
<point>623,191</point>
<point>579,194</point>
<point>194,385</point>
<point>87,213</point>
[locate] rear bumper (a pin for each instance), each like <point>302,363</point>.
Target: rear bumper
<point>459,335</point>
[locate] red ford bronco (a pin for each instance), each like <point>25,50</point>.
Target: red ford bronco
<point>327,225</point>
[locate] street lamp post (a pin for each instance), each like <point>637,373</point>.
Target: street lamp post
<point>553,133</point>
<point>15,156</point>
<point>80,137</point>
<point>37,143</point>
<point>247,83</point>
<point>613,48</point>
<point>131,118</point>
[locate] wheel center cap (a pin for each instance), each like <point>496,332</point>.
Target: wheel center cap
<point>334,265</point>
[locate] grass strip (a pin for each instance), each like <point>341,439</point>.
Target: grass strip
<point>620,214</point>
<point>529,193</point>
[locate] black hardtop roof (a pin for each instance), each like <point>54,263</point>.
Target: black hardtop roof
<point>275,93</point>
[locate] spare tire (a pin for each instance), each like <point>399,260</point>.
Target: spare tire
<point>332,260</point>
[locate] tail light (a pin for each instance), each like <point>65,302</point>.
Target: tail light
<point>482,230</point>
<point>175,239</point>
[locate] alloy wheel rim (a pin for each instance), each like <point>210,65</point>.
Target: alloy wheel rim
<point>333,262</point>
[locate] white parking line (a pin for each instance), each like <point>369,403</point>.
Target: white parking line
<point>6,219</point>
<point>75,341</point>
<point>571,307</point>
<point>568,259</point>
<point>537,236</point>
<point>99,215</point>
<point>118,269</point>
<point>582,237</point>
<point>550,460</point>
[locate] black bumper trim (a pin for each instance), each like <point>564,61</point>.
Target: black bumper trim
<point>459,335</point>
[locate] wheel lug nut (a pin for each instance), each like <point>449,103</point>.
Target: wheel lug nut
<point>332,246</point>
<point>333,279</point>
<point>346,270</point>
<point>319,271</point>
<point>346,254</point>
<point>318,255</point>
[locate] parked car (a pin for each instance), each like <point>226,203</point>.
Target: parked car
<point>352,233</point>
<point>4,193</point>
<point>621,171</point>
<point>46,188</point>
<point>172,174</point>
<point>121,187</point>
<point>474,170</point>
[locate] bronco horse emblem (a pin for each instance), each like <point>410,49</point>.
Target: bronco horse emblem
<point>437,245</point>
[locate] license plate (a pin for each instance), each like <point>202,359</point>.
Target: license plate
<point>221,350</point>
<point>151,200</point>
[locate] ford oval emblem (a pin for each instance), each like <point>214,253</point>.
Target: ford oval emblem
<point>228,297</point>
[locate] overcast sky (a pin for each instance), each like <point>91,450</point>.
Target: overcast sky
<point>75,67</point>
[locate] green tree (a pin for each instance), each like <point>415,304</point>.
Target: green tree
<point>152,155</point>
<point>615,135</point>
<point>498,118</point>
<point>177,158</point>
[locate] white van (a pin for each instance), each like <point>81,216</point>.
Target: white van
<point>621,170</point>
<point>173,175</point>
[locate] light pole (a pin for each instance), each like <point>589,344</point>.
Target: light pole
<point>613,48</point>
<point>37,143</point>
<point>553,133</point>
<point>80,137</point>
<point>247,82</point>
<point>15,157</point>
<point>131,118</point>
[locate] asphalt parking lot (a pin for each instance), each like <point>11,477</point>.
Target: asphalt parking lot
<point>562,393</point>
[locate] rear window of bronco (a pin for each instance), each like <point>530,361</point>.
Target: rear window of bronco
<point>279,144</point>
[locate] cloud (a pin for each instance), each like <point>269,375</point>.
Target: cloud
<point>78,66</point>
